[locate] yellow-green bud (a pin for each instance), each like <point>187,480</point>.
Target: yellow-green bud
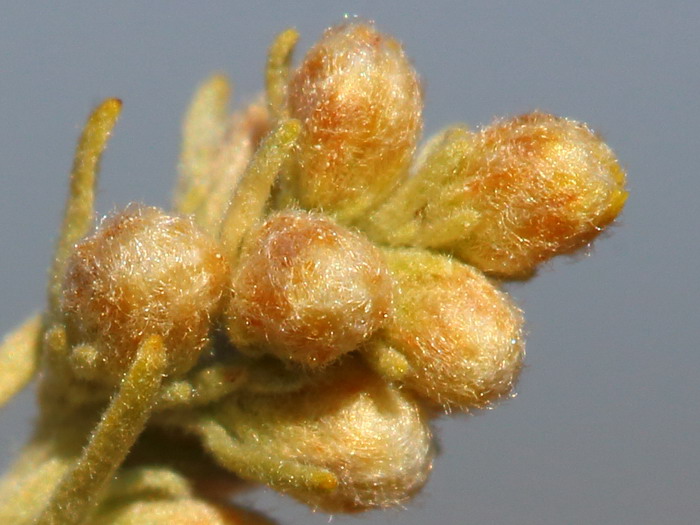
<point>182,511</point>
<point>372,436</point>
<point>461,336</point>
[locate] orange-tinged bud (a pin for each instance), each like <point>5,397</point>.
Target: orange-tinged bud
<point>307,290</point>
<point>143,273</point>
<point>360,103</point>
<point>372,436</point>
<point>461,336</point>
<point>543,186</point>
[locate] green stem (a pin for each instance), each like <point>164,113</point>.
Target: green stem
<point>78,215</point>
<point>202,133</point>
<point>80,489</point>
<point>277,72</point>
<point>248,203</point>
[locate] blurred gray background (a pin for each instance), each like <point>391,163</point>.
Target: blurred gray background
<point>606,423</point>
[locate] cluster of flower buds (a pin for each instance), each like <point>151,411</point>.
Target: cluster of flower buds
<point>319,293</point>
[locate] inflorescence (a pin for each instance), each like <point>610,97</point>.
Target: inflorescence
<point>320,291</point>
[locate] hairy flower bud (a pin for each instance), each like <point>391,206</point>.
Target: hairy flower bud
<point>360,103</point>
<point>370,435</point>
<point>461,336</point>
<point>181,511</point>
<point>543,186</point>
<point>143,273</point>
<point>307,290</point>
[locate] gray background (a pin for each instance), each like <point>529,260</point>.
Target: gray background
<point>606,422</point>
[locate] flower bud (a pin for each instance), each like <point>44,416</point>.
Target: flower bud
<point>307,290</point>
<point>371,435</point>
<point>181,511</point>
<point>542,186</point>
<point>360,103</point>
<point>461,336</point>
<point>143,273</point>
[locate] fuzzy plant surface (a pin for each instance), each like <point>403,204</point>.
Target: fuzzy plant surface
<point>321,290</point>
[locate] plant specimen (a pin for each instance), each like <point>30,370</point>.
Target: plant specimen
<point>318,293</point>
